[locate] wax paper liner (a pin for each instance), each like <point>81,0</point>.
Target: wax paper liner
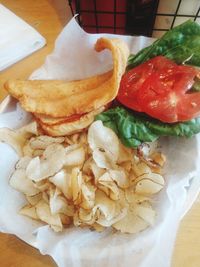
<point>75,58</point>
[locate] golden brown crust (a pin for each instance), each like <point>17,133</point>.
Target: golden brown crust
<point>53,89</point>
<point>68,128</point>
<point>62,98</point>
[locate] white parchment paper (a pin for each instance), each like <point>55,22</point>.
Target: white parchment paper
<point>74,58</point>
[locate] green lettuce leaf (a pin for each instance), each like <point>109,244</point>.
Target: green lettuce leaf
<point>181,44</point>
<point>134,128</point>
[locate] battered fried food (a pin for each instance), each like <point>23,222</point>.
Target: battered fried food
<point>62,98</point>
<point>67,126</point>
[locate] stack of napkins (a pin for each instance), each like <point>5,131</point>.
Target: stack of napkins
<point>17,38</point>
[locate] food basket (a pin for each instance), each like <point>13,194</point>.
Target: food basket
<point>134,17</point>
<point>82,247</point>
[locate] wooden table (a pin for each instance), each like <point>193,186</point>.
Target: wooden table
<point>49,17</point>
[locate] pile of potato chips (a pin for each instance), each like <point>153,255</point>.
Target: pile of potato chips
<point>88,179</point>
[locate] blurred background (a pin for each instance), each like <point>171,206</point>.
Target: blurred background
<point>134,17</point>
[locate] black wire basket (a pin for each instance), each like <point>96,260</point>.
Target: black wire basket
<point>134,17</point>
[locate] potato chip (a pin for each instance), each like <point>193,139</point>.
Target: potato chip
<point>146,212</point>
<point>120,177</point>
<point>39,169</point>
<point>103,159</point>
<point>58,204</point>
<point>68,140</point>
<point>91,170</point>
<point>87,178</point>
<point>156,162</point>
<point>103,139</point>
<point>43,141</point>
<point>125,154</point>
<point>78,138</point>
<point>76,220</point>
<point>83,138</point>
<point>62,180</point>
<point>52,149</point>
<point>86,216</point>
<point>105,189</point>
<point>20,182</point>
<point>38,153</point>
<point>131,223</point>
<point>29,211</point>
<point>147,187</point>
<point>28,130</point>
<point>141,168</point>
<point>111,189</point>
<point>105,205</point>
<point>107,222</point>
<point>134,198</point>
<point>23,162</point>
<point>97,227</point>
<point>66,220</point>
<point>149,184</point>
<point>104,145</point>
<point>88,196</point>
<point>158,158</point>
<point>27,150</point>
<point>33,200</point>
<point>43,185</point>
<point>154,177</point>
<point>76,185</point>
<point>97,171</point>
<point>120,211</point>
<point>127,166</point>
<point>87,170</point>
<point>12,138</point>
<point>57,228</point>
<point>139,216</point>
<point>45,196</point>
<point>75,155</point>
<point>17,138</point>
<point>75,138</point>
<point>44,214</point>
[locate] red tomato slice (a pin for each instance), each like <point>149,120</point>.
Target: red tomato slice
<point>161,90</point>
<point>189,107</point>
<point>165,97</point>
<point>156,100</point>
<point>130,84</point>
<point>133,80</point>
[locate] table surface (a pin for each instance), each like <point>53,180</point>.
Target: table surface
<point>49,17</point>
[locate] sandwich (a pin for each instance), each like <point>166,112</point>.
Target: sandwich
<point>155,92</point>
<point>159,94</point>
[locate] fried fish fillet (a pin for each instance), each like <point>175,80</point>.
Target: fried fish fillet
<point>62,98</point>
<point>67,127</point>
<point>50,121</point>
<point>53,89</point>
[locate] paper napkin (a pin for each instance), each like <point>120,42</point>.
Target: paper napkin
<point>17,38</point>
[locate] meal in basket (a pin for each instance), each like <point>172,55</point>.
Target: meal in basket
<point>87,158</point>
